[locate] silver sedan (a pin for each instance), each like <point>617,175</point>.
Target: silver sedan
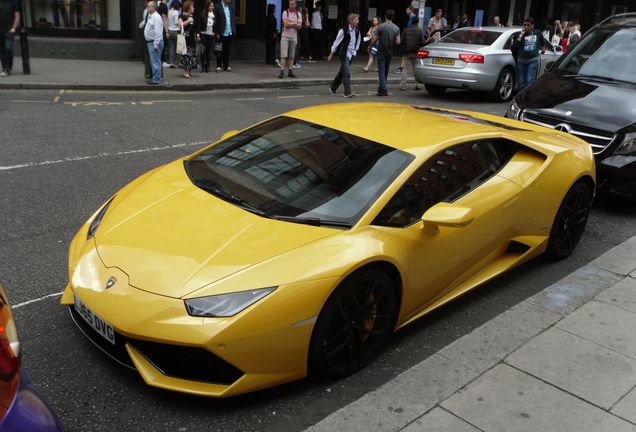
<point>475,58</point>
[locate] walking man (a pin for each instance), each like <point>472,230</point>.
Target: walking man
<point>292,22</point>
<point>388,35</point>
<point>153,32</point>
<point>412,40</point>
<point>528,45</point>
<point>226,25</point>
<point>346,46</point>
<point>9,21</point>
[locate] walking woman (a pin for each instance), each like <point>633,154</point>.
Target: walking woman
<point>186,23</point>
<point>173,29</point>
<point>207,34</point>
<point>271,33</point>
<point>374,25</point>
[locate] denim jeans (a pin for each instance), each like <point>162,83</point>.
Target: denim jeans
<point>343,77</point>
<point>6,50</point>
<point>155,60</point>
<point>384,64</point>
<point>526,72</point>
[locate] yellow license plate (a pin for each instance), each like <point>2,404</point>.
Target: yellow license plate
<point>444,61</point>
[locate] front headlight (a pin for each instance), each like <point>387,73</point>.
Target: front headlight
<point>628,145</point>
<point>225,305</point>
<point>513,110</point>
<point>97,220</point>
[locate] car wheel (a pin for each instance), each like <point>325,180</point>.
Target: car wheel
<point>435,89</point>
<point>354,324</point>
<point>569,222</point>
<point>505,86</point>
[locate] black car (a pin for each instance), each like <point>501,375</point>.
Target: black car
<point>590,92</point>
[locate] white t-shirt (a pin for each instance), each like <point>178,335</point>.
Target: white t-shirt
<point>173,20</point>
<point>316,20</point>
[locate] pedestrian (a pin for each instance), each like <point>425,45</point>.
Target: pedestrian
<point>226,25</point>
<point>528,46</point>
<point>575,35</point>
<point>9,22</point>
<point>437,22</point>
<point>146,53</point>
<point>565,35</point>
<point>496,21</point>
<point>412,41</point>
<point>372,55</point>
<point>153,32</point>
<point>388,35</point>
<point>317,35</point>
<point>555,33</point>
<point>304,46</point>
<point>207,34</point>
<point>173,30</point>
<point>162,10</point>
<point>186,22</point>
<point>346,47</point>
<point>292,22</point>
<point>465,22</point>
<point>271,34</point>
<point>410,14</point>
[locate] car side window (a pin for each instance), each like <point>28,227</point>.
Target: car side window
<point>445,177</point>
<point>510,40</point>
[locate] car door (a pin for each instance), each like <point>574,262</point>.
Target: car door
<point>464,175</point>
<point>548,58</point>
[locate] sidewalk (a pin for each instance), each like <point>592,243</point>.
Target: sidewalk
<point>563,360</point>
<point>48,73</point>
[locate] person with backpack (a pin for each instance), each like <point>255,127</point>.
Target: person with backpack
<point>292,22</point>
<point>413,40</point>
<point>346,47</point>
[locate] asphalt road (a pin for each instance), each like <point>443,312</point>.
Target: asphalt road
<point>64,153</point>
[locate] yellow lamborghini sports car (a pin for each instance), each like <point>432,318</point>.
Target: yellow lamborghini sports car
<point>299,245</point>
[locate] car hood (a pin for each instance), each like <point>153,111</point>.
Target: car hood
<point>172,238</point>
<point>554,95</point>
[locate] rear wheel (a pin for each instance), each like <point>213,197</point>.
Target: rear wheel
<point>569,222</point>
<point>504,87</point>
<point>354,324</point>
<point>435,89</point>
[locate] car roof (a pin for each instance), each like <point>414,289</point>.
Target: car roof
<point>621,20</point>
<point>492,29</point>
<point>415,129</point>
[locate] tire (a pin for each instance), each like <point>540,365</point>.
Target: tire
<point>354,324</point>
<point>435,90</point>
<point>569,223</point>
<point>505,86</point>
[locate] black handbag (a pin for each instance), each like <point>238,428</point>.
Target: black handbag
<point>217,47</point>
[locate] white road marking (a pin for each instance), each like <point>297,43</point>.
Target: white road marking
<point>294,96</point>
<point>30,101</point>
<point>28,302</point>
<point>100,155</point>
<point>249,99</point>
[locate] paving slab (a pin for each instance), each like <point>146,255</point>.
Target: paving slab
<point>507,400</point>
<point>622,295</point>
<point>607,325</point>
<point>487,345</point>
<point>578,366</point>
<point>626,408</point>
<point>620,259</point>
<point>438,420</point>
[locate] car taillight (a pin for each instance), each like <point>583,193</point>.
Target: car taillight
<point>422,54</point>
<point>9,357</point>
<point>472,58</point>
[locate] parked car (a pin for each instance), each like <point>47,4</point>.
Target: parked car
<point>21,408</point>
<point>591,92</point>
<point>475,58</point>
<point>299,245</point>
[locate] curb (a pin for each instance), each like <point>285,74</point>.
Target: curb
<point>405,399</point>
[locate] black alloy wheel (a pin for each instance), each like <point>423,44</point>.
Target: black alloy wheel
<point>354,324</point>
<point>570,222</point>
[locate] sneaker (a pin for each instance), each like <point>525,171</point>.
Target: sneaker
<point>290,74</point>
<point>297,66</point>
<point>398,71</point>
<point>382,94</point>
<point>332,92</point>
<point>229,69</point>
<point>165,64</point>
<point>281,75</point>
<point>402,88</point>
<point>4,73</point>
<point>218,69</point>
<point>277,62</point>
<point>349,96</point>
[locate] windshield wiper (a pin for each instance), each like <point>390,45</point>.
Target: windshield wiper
<point>598,78</point>
<point>226,194</point>
<point>313,221</point>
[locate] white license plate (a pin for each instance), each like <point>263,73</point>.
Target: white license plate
<point>102,327</point>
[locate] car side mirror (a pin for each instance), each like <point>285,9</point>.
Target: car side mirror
<point>448,215</point>
<point>229,134</point>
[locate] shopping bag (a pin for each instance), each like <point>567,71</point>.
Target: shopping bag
<point>217,47</point>
<point>182,47</point>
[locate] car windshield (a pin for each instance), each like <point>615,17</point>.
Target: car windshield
<point>295,170</point>
<point>471,37</point>
<point>605,53</point>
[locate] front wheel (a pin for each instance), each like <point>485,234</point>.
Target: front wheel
<point>569,222</point>
<point>354,324</point>
<point>504,87</point>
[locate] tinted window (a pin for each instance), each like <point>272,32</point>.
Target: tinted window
<point>446,177</point>
<point>604,53</point>
<point>472,37</point>
<point>292,168</point>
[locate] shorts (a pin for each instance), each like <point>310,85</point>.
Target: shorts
<point>287,47</point>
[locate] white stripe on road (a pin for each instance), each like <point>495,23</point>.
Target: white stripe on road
<point>101,155</point>
<point>249,99</point>
<point>28,302</point>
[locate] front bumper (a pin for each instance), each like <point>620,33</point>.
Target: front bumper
<point>29,412</point>
<point>617,176</point>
